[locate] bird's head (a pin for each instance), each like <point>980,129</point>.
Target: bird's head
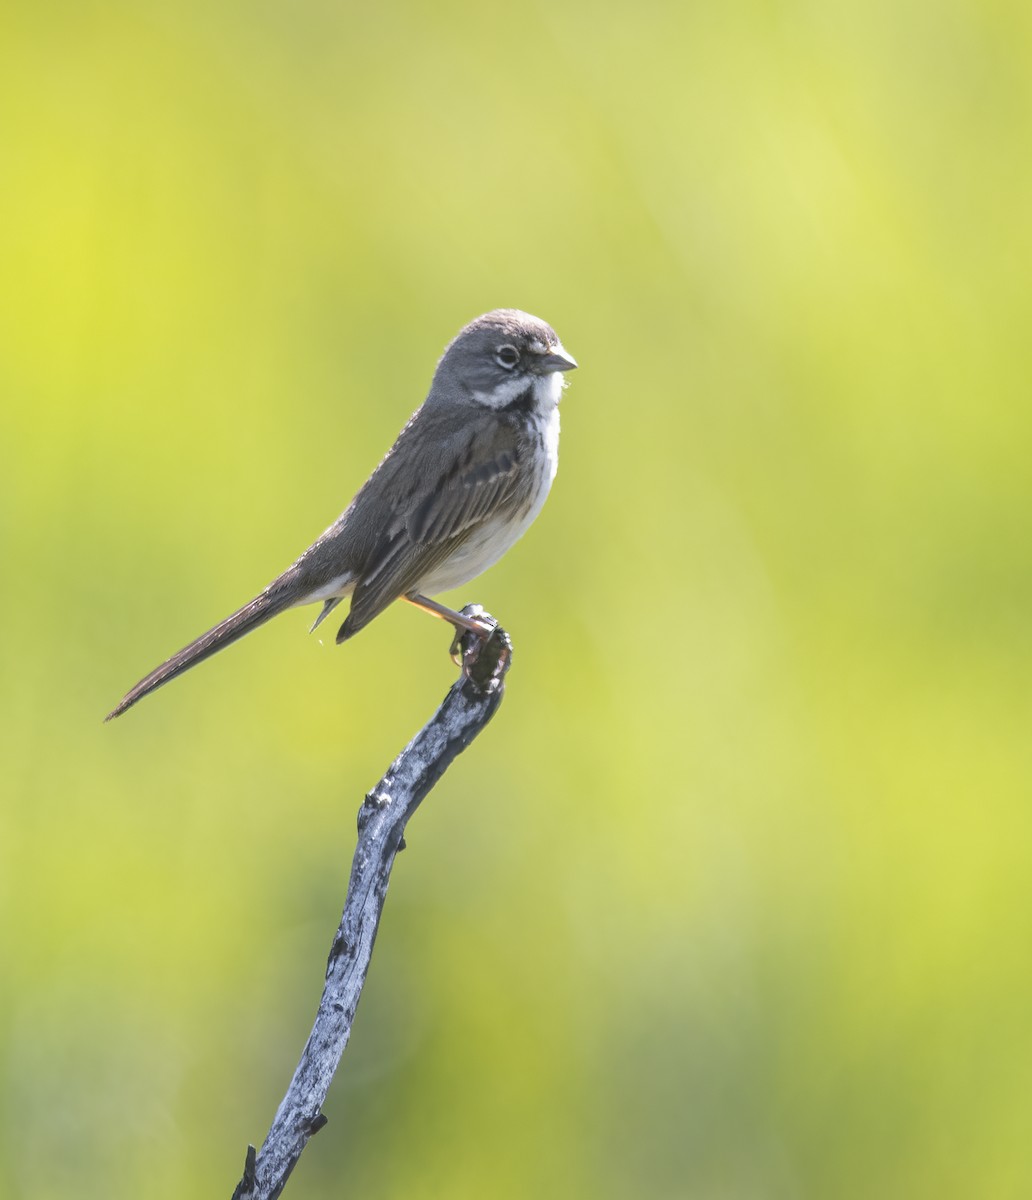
<point>506,358</point>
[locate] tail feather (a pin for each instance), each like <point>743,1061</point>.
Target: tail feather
<point>260,610</point>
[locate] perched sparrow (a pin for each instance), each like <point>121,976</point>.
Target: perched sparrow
<point>466,477</point>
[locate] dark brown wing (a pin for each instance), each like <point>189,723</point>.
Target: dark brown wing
<point>469,472</point>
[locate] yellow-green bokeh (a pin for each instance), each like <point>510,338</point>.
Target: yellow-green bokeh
<point>733,901</point>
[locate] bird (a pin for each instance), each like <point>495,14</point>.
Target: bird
<point>464,480</point>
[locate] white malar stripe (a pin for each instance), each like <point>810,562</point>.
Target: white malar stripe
<point>547,391</point>
<point>504,394</point>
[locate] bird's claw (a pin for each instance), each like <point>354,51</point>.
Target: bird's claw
<point>467,642</point>
<point>482,653</point>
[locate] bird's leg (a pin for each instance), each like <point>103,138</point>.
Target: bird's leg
<point>469,627</point>
<point>462,622</point>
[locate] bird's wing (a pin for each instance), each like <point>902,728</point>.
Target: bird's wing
<point>476,473</point>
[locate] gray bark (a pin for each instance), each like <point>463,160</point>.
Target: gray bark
<point>468,706</point>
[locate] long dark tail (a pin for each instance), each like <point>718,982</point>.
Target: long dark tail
<point>242,621</point>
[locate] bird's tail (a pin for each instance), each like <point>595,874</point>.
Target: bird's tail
<point>260,609</point>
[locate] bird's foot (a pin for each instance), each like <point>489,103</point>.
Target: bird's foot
<point>471,631</point>
<point>482,648</point>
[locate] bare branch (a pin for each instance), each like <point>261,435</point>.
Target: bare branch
<point>466,709</point>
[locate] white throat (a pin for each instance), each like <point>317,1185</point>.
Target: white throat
<point>547,391</point>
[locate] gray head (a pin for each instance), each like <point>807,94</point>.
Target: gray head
<point>504,354</point>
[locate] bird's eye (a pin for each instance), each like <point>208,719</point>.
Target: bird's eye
<point>508,357</point>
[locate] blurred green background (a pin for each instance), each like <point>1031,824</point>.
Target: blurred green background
<point>733,899</point>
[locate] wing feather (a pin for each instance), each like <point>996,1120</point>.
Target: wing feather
<point>475,474</point>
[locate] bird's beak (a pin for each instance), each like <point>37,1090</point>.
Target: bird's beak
<point>557,359</point>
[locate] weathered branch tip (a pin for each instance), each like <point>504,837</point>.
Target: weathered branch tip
<point>245,1188</point>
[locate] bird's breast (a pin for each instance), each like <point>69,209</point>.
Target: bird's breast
<point>501,529</point>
